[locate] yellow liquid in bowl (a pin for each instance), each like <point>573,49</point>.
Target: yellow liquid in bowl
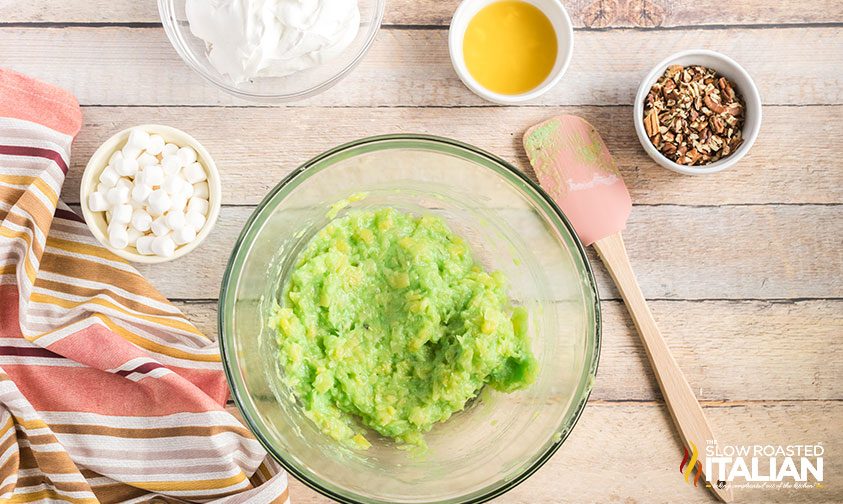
<point>510,47</point>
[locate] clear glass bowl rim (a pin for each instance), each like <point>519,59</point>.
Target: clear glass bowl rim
<point>542,198</point>
<point>164,8</point>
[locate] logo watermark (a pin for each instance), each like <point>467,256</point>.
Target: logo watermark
<point>756,466</point>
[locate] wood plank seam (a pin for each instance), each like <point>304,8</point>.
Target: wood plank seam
<point>385,26</point>
<point>425,76</point>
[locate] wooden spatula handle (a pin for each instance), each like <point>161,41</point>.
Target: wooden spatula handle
<point>686,411</point>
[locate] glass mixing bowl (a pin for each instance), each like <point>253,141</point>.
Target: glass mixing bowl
<point>271,89</point>
<point>512,226</point>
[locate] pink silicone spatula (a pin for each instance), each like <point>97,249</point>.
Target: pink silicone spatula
<point>574,166</point>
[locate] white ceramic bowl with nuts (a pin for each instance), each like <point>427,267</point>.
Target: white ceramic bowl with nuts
<point>203,197</point>
<point>744,86</point>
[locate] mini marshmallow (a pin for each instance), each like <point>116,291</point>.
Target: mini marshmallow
<point>159,226</point>
<point>184,235</point>
<point>171,165</point>
<point>178,202</point>
<point>125,182</point>
<point>186,190</point>
<point>156,144</point>
<point>141,192</point>
<point>117,195</point>
<point>138,178</point>
<point>169,150</point>
<point>114,157</point>
<point>153,175</point>
<point>144,245</point>
<point>175,220</point>
<point>118,237</point>
<point>195,220</point>
<point>97,202</point>
<point>198,205</point>
<point>175,185</point>
<point>147,159</point>
<point>201,190</point>
<point>138,138</point>
<point>126,167</point>
<point>164,246</point>
<point>194,173</point>
<point>134,234</point>
<point>101,187</point>
<point>130,152</point>
<point>159,201</point>
<point>121,214</point>
<point>141,220</point>
<point>109,176</point>
<point>187,155</point>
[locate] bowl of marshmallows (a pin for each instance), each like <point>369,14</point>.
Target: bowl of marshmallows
<point>151,193</point>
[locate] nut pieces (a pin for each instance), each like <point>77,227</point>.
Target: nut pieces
<point>694,116</point>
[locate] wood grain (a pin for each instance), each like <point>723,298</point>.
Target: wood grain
<point>787,164</point>
<point>627,453</point>
<point>721,346</point>
<point>137,66</point>
<point>584,13</point>
<point>731,252</point>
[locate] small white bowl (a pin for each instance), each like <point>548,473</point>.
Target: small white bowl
<point>561,22</point>
<point>90,178</point>
<point>744,86</point>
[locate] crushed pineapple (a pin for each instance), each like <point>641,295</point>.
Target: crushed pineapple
<point>387,322</point>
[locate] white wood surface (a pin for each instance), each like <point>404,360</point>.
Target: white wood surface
<point>805,169</point>
<point>743,270</point>
<point>598,14</point>
<point>118,65</point>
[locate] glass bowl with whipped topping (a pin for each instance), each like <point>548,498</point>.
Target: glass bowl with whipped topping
<point>272,50</point>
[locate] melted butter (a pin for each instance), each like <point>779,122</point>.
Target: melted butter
<point>510,47</point>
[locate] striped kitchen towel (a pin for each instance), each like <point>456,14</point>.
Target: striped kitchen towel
<point>107,392</point>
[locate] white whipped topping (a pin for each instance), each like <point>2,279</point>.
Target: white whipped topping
<point>272,38</point>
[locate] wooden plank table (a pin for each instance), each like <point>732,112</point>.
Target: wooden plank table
<point>744,269</point>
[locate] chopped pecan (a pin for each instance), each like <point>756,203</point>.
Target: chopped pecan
<point>669,86</point>
<point>713,105</point>
<point>726,88</point>
<point>735,109</point>
<point>718,124</point>
<point>651,123</point>
<point>693,115</point>
<point>672,71</point>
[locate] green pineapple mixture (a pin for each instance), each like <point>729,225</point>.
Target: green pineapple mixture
<point>388,319</point>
